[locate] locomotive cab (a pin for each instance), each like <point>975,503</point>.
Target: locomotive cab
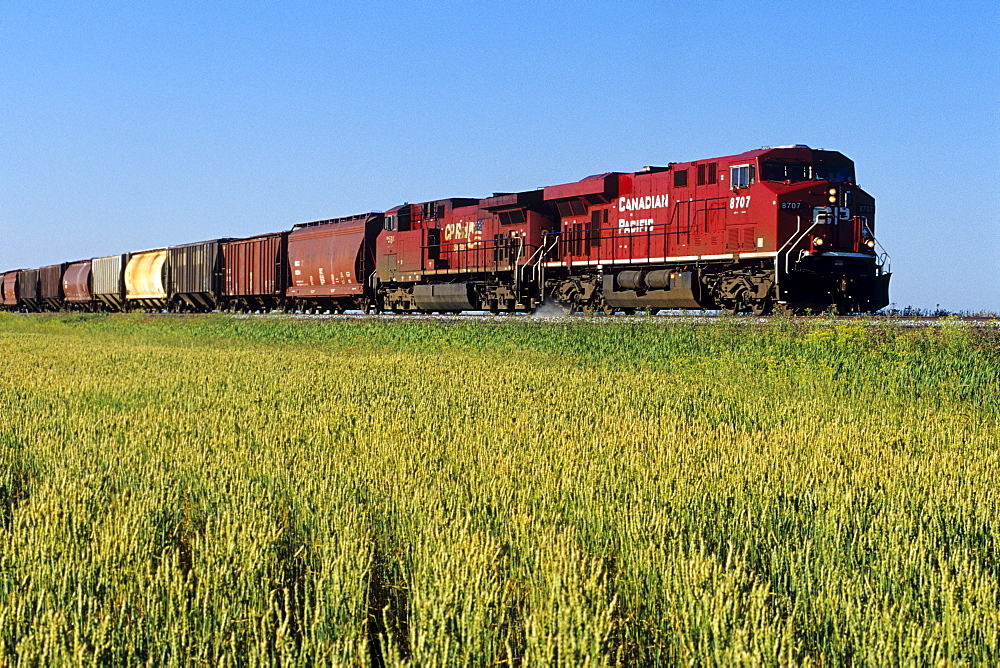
<point>829,253</point>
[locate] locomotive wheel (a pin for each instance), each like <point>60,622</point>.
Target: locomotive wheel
<point>737,304</point>
<point>571,305</point>
<point>762,307</point>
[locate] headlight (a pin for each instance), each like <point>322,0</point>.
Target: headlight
<point>870,243</point>
<point>818,241</point>
<point>832,195</point>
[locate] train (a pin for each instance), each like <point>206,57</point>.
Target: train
<point>783,228</point>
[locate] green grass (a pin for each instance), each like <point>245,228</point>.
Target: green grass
<point>271,491</point>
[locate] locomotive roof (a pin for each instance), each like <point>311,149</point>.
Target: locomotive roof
<point>597,183</point>
<point>799,151</point>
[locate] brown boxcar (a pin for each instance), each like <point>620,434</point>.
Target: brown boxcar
<point>331,262</point>
<point>107,281</point>
<point>28,297</point>
<point>256,272</point>
<point>8,290</point>
<point>195,275</point>
<point>50,286</point>
<point>76,285</point>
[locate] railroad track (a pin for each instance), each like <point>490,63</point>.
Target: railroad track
<point>700,318</point>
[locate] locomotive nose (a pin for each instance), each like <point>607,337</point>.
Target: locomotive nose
<point>836,228</point>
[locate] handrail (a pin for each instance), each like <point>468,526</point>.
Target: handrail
<point>517,265</point>
<point>792,241</point>
<point>670,227</point>
<point>883,259</point>
<point>539,266</point>
<point>540,252</point>
<point>481,250</point>
<point>777,257</point>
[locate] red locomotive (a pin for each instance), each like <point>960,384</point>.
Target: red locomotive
<point>780,227</point>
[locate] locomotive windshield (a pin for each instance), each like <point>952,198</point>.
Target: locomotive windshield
<point>834,173</point>
<point>775,170</point>
<point>792,172</point>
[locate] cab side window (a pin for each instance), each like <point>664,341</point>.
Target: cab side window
<point>741,176</point>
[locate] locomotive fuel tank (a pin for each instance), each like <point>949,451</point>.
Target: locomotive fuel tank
<point>663,290</point>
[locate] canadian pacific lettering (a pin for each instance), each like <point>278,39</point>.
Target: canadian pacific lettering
<point>633,226</point>
<point>643,203</point>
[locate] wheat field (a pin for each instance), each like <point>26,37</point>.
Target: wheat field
<point>214,490</point>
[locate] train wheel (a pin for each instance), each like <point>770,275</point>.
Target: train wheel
<point>738,304</point>
<point>762,307</point>
<point>730,306</point>
<point>571,305</point>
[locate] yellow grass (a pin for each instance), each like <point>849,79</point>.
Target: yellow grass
<point>243,492</point>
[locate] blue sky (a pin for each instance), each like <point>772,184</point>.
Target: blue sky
<point>126,126</point>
